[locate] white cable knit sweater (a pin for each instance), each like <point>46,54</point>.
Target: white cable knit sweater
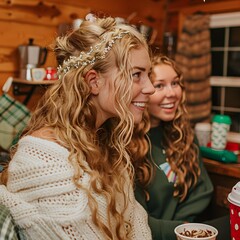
<point>46,204</point>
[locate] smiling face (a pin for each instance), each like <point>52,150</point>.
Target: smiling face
<point>164,102</point>
<point>142,88</point>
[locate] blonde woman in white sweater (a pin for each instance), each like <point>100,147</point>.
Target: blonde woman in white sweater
<point>71,176</point>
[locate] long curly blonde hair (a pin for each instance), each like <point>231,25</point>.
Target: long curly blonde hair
<point>139,148</point>
<point>178,139</point>
<point>67,108</point>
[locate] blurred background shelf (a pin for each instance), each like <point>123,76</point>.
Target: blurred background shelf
<point>224,176</point>
<point>23,81</point>
<point>27,88</point>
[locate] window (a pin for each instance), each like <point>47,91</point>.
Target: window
<point>225,80</point>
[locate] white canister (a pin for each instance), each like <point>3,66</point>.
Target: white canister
<point>203,133</point>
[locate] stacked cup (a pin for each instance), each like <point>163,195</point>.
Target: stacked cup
<point>203,133</point>
<point>220,127</point>
<point>234,205</point>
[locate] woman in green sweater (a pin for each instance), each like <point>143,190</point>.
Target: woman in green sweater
<point>180,189</point>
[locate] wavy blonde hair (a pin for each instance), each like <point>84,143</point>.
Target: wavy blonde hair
<point>67,108</point>
<point>139,147</point>
<point>178,139</point>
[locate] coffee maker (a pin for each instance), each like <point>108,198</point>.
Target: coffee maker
<point>30,56</point>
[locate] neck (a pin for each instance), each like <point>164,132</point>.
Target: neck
<point>154,122</point>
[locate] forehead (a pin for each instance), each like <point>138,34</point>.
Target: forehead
<point>140,58</point>
<point>162,71</point>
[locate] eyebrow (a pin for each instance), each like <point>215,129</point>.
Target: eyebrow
<point>160,80</point>
<point>140,68</point>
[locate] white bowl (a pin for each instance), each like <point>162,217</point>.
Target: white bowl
<point>195,226</point>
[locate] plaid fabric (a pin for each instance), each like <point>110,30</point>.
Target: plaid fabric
<point>14,117</point>
<point>8,231</point>
<point>13,112</point>
<point>4,159</point>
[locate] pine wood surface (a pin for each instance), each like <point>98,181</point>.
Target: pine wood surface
<point>41,20</point>
<point>225,169</point>
<point>23,81</point>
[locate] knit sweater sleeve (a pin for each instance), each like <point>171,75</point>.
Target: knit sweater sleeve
<point>47,205</point>
<point>40,192</point>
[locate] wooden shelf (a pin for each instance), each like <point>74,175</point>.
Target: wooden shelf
<point>23,81</point>
<point>20,84</point>
<point>223,176</point>
<point>225,169</point>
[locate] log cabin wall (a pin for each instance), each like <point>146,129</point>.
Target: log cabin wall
<point>177,11</point>
<point>41,20</point>
<point>24,19</point>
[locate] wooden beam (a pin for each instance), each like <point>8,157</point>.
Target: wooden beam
<point>211,8</point>
<point>215,7</point>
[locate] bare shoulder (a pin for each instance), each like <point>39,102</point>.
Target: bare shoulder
<point>45,133</point>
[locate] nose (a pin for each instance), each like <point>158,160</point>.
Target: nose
<point>148,87</point>
<point>169,91</point>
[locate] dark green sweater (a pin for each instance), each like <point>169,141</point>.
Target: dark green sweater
<point>165,211</point>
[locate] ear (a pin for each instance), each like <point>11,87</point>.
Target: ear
<point>92,78</point>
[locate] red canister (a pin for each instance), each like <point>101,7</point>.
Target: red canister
<point>51,73</point>
<point>234,205</point>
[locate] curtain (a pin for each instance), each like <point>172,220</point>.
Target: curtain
<point>193,57</point>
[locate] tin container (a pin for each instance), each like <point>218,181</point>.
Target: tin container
<point>51,73</point>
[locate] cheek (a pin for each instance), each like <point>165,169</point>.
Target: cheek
<point>106,96</point>
<point>152,109</point>
<point>154,101</point>
<point>179,93</point>
<point>136,89</point>
<point>108,89</point>
<point>156,98</point>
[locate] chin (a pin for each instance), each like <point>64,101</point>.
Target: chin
<point>138,119</point>
<point>167,119</point>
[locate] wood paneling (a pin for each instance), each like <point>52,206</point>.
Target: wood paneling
<point>211,7</point>
<point>24,19</point>
<point>40,12</point>
<point>15,34</point>
<point>40,20</point>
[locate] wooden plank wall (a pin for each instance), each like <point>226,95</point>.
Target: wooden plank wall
<point>40,20</point>
<point>24,19</point>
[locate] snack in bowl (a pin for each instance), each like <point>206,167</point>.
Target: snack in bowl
<point>191,231</point>
<point>200,233</point>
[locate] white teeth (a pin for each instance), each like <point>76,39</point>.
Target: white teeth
<point>170,105</point>
<point>139,104</point>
